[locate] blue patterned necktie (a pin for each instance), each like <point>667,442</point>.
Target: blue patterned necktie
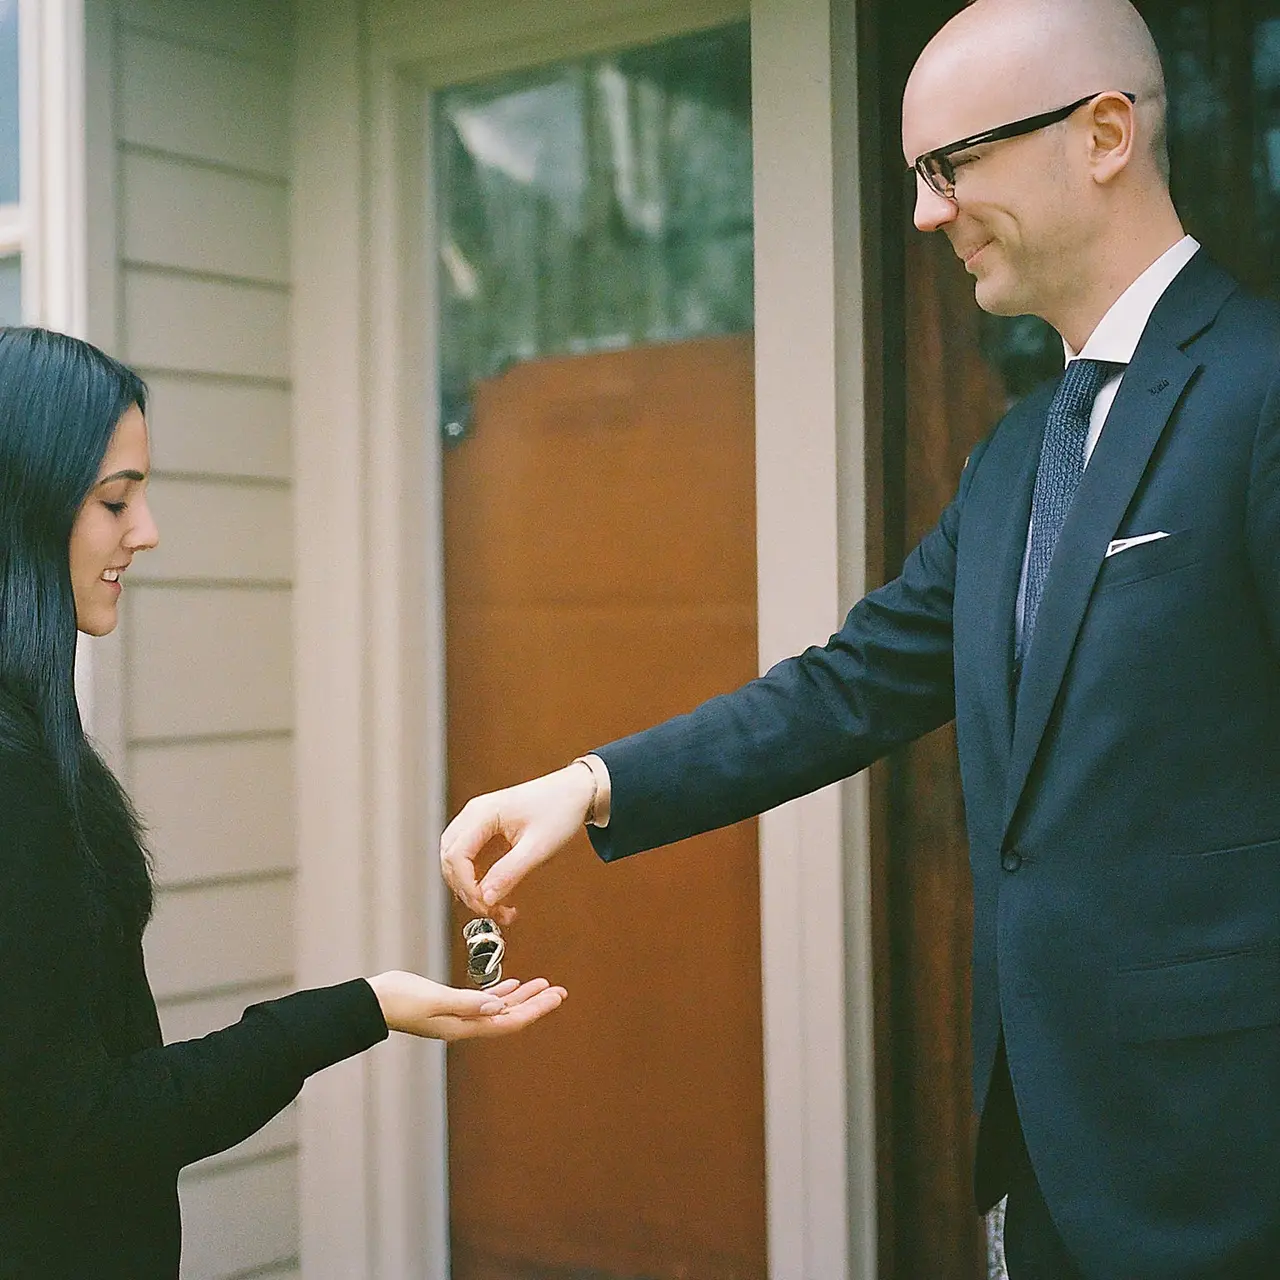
<point>1058,475</point>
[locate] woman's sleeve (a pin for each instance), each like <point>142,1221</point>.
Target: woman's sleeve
<point>68,1106</point>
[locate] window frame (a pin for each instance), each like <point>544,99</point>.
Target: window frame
<point>47,227</point>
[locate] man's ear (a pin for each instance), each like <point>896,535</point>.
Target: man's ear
<point>1112,125</point>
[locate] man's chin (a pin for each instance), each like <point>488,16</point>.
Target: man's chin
<point>995,299</point>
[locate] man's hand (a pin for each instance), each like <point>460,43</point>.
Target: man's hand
<point>536,820</point>
<point>419,1007</point>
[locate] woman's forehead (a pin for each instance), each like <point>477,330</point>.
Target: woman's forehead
<point>129,448</point>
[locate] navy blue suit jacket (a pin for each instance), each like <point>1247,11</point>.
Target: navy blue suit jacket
<point>1123,818</point>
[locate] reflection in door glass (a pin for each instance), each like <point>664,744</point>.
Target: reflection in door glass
<point>8,101</point>
<point>594,205</point>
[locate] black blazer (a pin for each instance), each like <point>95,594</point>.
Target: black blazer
<point>1124,818</point>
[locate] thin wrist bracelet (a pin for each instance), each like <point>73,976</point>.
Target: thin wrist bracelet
<point>595,789</point>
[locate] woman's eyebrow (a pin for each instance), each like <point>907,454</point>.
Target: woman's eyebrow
<point>121,475</point>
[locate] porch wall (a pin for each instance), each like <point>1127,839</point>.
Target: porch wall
<point>189,163</point>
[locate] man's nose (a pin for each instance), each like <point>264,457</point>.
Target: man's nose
<point>932,210</point>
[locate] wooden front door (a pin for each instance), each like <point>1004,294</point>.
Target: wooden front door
<point>600,576</point>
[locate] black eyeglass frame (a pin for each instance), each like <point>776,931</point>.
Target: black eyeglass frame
<point>940,157</point>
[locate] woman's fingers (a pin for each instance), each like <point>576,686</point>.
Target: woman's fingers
<point>529,1002</point>
<point>535,1000</point>
<point>492,1000</point>
<point>523,990</point>
<point>422,1007</point>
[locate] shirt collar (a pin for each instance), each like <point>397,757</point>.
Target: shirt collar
<point>1116,337</point>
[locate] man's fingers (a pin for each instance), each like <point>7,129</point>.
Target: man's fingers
<point>461,844</point>
<point>505,874</point>
<point>504,915</point>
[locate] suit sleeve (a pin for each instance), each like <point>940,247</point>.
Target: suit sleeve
<point>885,678</point>
<point>71,1109</point>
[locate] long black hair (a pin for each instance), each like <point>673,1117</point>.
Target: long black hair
<point>60,401</point>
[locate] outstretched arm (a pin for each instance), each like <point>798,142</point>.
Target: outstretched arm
<point>885,678</point>
<point>75,1105</point>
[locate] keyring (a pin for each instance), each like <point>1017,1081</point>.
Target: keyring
<point>485,947</point>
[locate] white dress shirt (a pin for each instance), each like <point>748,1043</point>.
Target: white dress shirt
<point>1115,339</point>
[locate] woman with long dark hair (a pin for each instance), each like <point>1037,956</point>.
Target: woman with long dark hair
<point>97,1115</point>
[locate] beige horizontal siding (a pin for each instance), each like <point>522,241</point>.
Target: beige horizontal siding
<point>204,662</point>
<point>178,214</point>
<point>239,1219</point>
<point>211,426</point>
<point>216,809</point>
<point>202,138</point>
<point>218,531</point>
<point>255,29</point>
<point>192,101</point>
<point>183,323</point>
<point>203,939</point>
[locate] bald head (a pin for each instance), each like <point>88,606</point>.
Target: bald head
<point>1001,60</point>
<point>1056,218</point>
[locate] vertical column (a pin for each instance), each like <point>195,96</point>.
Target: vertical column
<point>328,256</point>
<point>819,1094</point>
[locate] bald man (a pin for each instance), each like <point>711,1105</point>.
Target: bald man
<point>1099,610</point>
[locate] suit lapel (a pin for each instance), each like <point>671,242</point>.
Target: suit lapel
<point>1000,532</point>
<point>1152,386</point>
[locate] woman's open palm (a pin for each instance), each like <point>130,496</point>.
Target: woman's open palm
<point>418,1006</point>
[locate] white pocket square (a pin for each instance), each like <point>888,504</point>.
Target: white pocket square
<point>1123,544</point>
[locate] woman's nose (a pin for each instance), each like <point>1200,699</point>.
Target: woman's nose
<point>144,535</point>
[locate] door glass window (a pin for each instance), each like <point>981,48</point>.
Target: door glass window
<point>594,205</point>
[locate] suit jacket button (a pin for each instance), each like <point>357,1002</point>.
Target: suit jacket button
<point>1011,860</point>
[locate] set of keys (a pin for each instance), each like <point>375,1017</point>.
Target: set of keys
<point>485,948</point>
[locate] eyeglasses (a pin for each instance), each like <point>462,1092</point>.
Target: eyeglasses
<point>936,168</point>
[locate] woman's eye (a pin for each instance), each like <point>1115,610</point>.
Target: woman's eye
<point>959,162</point>
<point>116,508</point>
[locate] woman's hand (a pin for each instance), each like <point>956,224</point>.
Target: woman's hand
<point>419,1007</point>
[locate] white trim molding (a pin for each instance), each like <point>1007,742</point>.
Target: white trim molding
<point>814,852</point>
<point>49,225</point>
<point>336,1188</point>
<point>60,220</point>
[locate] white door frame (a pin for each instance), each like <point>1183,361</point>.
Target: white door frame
<point>370,654</point>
